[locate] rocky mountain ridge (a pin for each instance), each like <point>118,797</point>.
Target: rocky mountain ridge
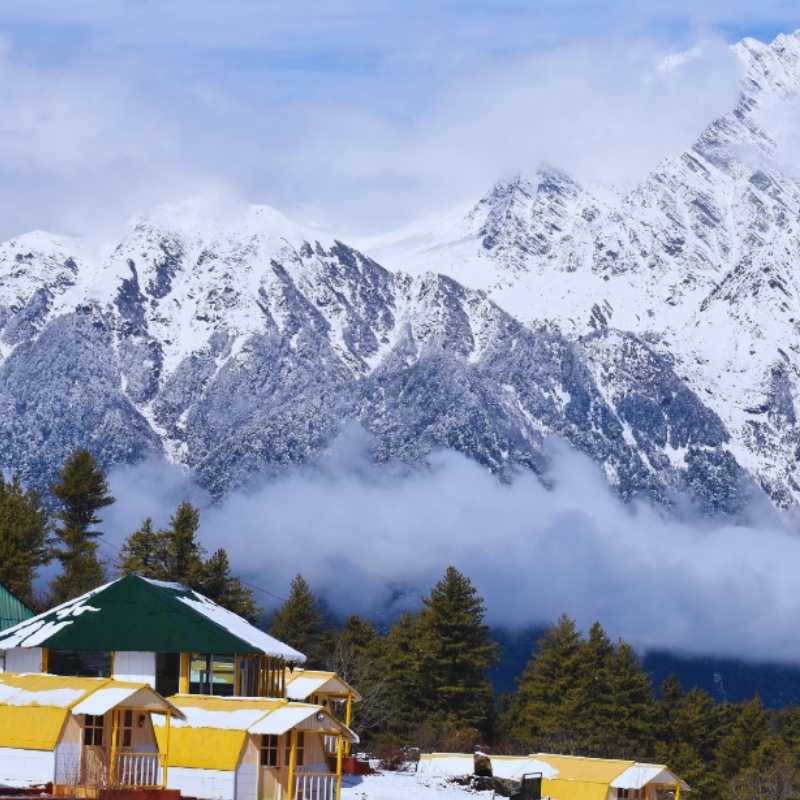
<point>655,331</point>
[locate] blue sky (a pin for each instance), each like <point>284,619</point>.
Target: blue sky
<point>345,111</point>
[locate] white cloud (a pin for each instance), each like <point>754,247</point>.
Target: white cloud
<point>364,535</point>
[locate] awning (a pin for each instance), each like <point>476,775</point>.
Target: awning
<point>307,683</point>
<point>291,716</point>
<point>137,696</point>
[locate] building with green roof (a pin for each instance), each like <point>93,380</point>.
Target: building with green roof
<point>12,609</point>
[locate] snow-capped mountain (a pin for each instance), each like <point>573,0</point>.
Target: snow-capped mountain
<point>700,260</point>
<point>655,331</point>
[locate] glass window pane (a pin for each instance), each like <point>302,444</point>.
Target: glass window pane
<point>223,675</point>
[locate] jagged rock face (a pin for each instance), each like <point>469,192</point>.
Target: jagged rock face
<point>699,259</point>
<point>657,332</point>
<point>251,347</point>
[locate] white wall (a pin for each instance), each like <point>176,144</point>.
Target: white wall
<point>68,753</point>
<point>26,767</point>
<point>206,784</point>
<point>136,667</point>
<point>24,659</point>
<point>247,773</point>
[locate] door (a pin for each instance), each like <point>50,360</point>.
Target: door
<point>270,772</point>
<point>94,759</point>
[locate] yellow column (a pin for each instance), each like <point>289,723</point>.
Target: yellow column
<point>165,757</point>
<point>45,659</point>
<point>112,767</point>
<point>677,791</point>
<point>339,759</point>
<point>292,762</point>
<point>183,682</point>
<point>348,718</point>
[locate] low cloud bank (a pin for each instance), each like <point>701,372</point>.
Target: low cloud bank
<point>372,539</point>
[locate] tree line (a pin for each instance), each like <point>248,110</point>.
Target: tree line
<point>62,527</point>
<point>425,677</point>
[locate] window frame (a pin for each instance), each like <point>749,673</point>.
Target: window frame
<point>93,729</point>
<point>269,750</point>
<point>301,747</point>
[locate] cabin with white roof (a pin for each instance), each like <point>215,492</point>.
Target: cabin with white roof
<point>90,733</point>
<point>223,679</point>
<point>567,777</point>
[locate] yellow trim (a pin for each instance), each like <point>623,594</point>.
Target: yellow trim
<point>183,681</point>
<point>112,767</point>
<point>348,717</point>
<point>339,759</point>
<point>292,760</point>
<point>45,659</point>
<point>165,756</point>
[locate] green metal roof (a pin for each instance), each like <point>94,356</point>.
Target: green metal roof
<point>138,614</point>
<point>12,609</point>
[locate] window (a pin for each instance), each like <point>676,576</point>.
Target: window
<point>269,751</point>
<point>127,728</point>
<point>84,663</point>
<point>210,674</point>
<point>168,673</point>
<point>93,731</point>
<point>629,794</point>
<point>300,748</point>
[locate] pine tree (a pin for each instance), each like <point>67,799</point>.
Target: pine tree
<point>184,552</point>
<point>82,491</point>
<point>543,711</point>
<point>770,773</point>
<point>749,731</point>
<point>300,622</point>
<point>633,706</point>
<point>357,656</point>
<point>458,652</point>
<point>219,585</point>
<point>24,527</point>
<point>145,552</point>
<point>407,687</point>
<point>593,698</point>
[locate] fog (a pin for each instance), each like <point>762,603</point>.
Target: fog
<point>373,538</point>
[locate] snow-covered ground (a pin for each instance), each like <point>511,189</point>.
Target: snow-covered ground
<point>404,785</point>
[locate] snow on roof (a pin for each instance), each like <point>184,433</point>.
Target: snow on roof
<point>251,715</point>
<point>133,695</point>
<point>284,719</point>
<point>221,713</point>
<point>242,628</point>
<point>138,614</point>
<point>449,765</point>
<point>34,631</point>
<point>514,767</point>
<point>639,775</point>
<point>301,684</point>
<point>53,691</point>
<point>589,770</point>
<point>33,707</point>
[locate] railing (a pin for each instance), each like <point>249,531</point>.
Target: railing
<point>315,786</point>
<point>137,770</point>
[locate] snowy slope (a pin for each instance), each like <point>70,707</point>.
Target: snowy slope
<point>655,331</point>
<point>699,260</point>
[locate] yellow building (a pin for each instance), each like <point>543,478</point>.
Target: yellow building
<point>81,734</point>
<point>579,778</point>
